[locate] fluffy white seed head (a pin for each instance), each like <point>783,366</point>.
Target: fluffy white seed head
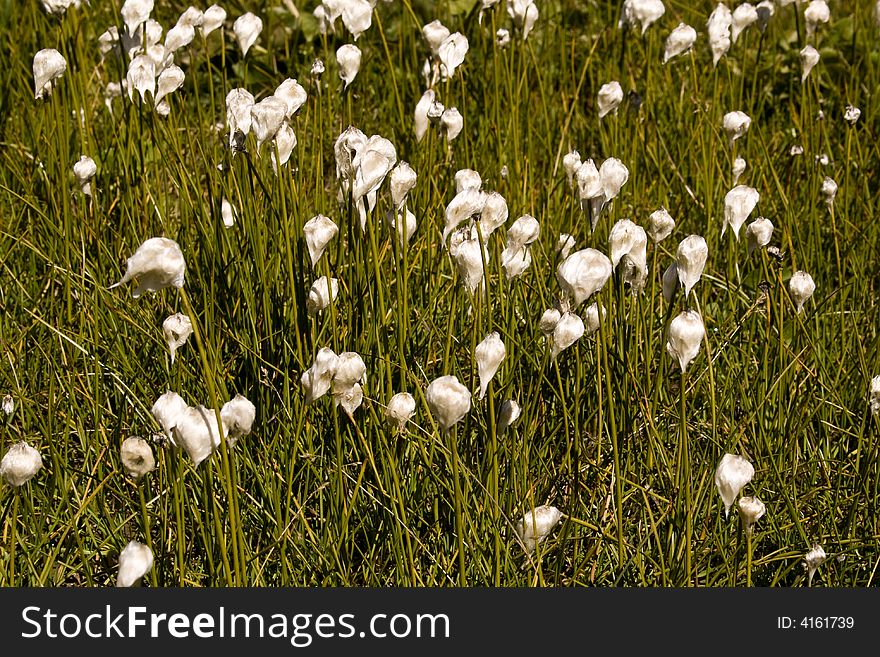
<point>610,97</point>
<point>642,13</point>
<point>227,213</point>
<point>451,53</point>
<point>247,28</point>
<point>536,525</point>
<point>686,333</point>
<point>435,33</point>
<point>628,243</point>
<point>135,12</point>
<point>829,190</point>
<point>594,316</point>
<point>317,379</point>
<point>736,124</point>
<point>403,179</point>
<point>20,463</point>
<point>319,231</point>
<point>167,409</point>
<point>564,245</point>
<point>816,12</point>
<point>873,395</point>
<point>158,263</point>
<point>212,19</point>
<point>489,354</point>
<point>507,416</point>
<point>758,233</point>
<point>852,114</point>
<point>744,15</point>
<point>8,404</point>
<point>568,330</point>
<point>548,321</point>
<point>813,559</point>
<point>660,225</point>
<point>137,457</point>
<point>238,415</point>
<point>809,58</point>
<point>738,205</point>
<point>690,260</point>
<point>582,274</point>
<point>738,169</point>
<point>448,400</point>
<point>348,58</point>
<point>401,407</point>
<point>135,561</point>
<point>321,294</point>
<point>718,28</point>
<point>452,122</point>
<point>801,287</point>
<point>84,170</point>
<point>731,476</point>
<point>679,41</point>
<point>751,510</point>
<point>177,328</point>
<point>197,432</point>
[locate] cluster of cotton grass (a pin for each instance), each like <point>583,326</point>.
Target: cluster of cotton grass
<point>363,165</point>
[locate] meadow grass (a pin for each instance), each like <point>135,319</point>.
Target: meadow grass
<point>611,433</point>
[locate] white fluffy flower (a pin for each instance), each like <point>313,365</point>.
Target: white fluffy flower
<point>49,65</point>
<point>536,525</point>
<point>177,328</point>
<point>610,97</point>
<point>448,400</point>
<point>158,263</point>
<point>686,333</point>
<point>137,457</point>
<point>247,28</point>
<point>679,41</point>
<point>20,463</point>
<point>731,476</point>
<point>135,561</point>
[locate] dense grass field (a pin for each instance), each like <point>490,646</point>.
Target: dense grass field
<point>612,433</point>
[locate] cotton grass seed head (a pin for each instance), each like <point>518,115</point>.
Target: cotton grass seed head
<point>524,14</point>
<point>348,59</point>
<point>801,287</point>
<point>751,510</point>
<point>357,16</point>
<point>628,244</point>
<point>536,525</point>
<point>610,97</point>
<point>718,27</point>
<point>448,400</point>
<point>738,169</point>
<point>686,333</point>
<point>568,330</point>
<point>660,225</point>
<point>227,213</point>
<point>238,415</point>
<point>293,94</point>
<point>20,463</point>
<point>7,405</point>
<point>507,416</point>
<point>564,245</point>
<point>166,410</point>
<point>852,114</point>
<point>49,65</point>
<point>177,328</point>
<point>738,205</point>
<point>158,263</point>
<point>435,33</point>
<point>736,124</point>
<point>197,432</point>
<point>744,15</point>
<point>731,476</point>
<point>489,354</point>
<point>135,12</point>
<point>452,122</point>
<point>135,561</point>
<point>813,560</point>
<point>319,231</point>
<point>401,407</point>
<point>642,13</point>
<point>548,321</point>
<point>451,53</point>
<point>582,274</point>
<point>679,41</point>
<point>403,179</point>
<point>759,233</point>
<point>213,19</point>
<point>317,379</point>
<point>137,457</point>
<point>809,58</point>
<point>322,293</point>
<point>690,260</point>
<point>84,170</point>
<point>817,12</point>
<point>247,28</point>
<point>829,191</point>
<point>238,112</point>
